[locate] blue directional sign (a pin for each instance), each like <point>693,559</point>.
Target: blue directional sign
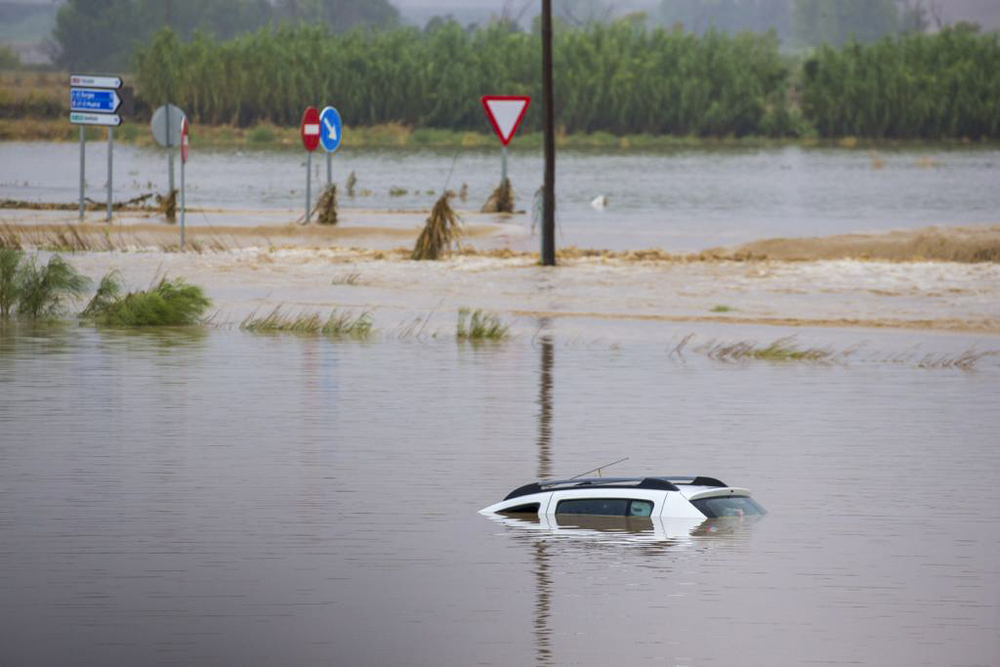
<point>93,100</point>
<point>331,129</point>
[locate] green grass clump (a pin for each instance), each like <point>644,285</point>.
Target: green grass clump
<point>478,325</point>
<point>262,134</point>
<point>10,258</point>
<point>108,291</point>
<point>32,291</point>
<point>339,324</point>
<point>168,303</point>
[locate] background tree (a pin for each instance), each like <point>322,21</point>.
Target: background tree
<point>103,34</point>
<point>816,22</point>
<point>339,14</point>
<point>729,15</point>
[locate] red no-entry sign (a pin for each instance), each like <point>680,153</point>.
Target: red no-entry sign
<point>184,140</point>
<point>310,129</point>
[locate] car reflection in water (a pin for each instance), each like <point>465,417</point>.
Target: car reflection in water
<point>625,530</point>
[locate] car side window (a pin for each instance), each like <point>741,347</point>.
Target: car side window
<point>530,508</point>
<point>605,507</point>
<point>640,508</point>
<point>593,506</point>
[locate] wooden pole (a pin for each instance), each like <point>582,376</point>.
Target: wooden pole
<point>549,186</point>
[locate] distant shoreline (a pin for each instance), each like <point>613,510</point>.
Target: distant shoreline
<point>395,136</point>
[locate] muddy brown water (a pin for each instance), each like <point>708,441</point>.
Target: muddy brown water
<point>682,201</point>
<point>224,498</point>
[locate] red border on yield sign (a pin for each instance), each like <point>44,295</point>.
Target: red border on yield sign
<point>505,133</point>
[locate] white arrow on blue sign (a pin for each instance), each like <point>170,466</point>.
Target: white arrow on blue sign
<point>331,129</point>
<point>94,100</point>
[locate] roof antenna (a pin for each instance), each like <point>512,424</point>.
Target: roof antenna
<point>598,470</point>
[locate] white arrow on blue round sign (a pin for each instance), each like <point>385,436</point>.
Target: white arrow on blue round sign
<point>331,129</point>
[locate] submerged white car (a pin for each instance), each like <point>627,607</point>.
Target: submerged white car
<point>666,497</point>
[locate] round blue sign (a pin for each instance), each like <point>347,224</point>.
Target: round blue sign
<point>331,129</point>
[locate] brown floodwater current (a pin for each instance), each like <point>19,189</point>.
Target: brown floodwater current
<point>217,497</point>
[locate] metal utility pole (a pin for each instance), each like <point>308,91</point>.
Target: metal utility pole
<point>549,186</point>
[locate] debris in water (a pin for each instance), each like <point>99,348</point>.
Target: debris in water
<point>168,205</point>
<point>442,229</point>
<point>600,202</point>
<point>502,199</point>
<point>327,206</point>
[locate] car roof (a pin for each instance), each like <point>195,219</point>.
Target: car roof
<point>661,482</point>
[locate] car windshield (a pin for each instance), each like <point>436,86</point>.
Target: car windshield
<point>720,506</point>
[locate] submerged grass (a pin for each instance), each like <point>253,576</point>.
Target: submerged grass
<point>34,292</point>
<point>478,325</point>
<point>352,278</point>
<point>168,303</point>
<point>339,324</point>
<point>786,350</point>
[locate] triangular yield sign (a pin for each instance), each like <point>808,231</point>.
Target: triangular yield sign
<point>506,113</point>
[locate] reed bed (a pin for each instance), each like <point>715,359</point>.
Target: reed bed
<point>478,325</point>
<point>617,78</point>
<point>338,324</point>
<point>927,86</point>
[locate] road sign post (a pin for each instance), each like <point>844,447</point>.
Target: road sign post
<point>309,130</point>
<point>505,113</point>
<point>93,100</point>
<point>184,159</point>
<point>111,152</point>
<point>166,127</point>
<point>331,133</point>
<point>548,113</point>
<point>83,165</point>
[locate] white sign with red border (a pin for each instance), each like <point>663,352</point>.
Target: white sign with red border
<point>309,129</point>
<point>506,113</point>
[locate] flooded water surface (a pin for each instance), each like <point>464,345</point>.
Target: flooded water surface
<point>224,498</point>
<point>684,200</point>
